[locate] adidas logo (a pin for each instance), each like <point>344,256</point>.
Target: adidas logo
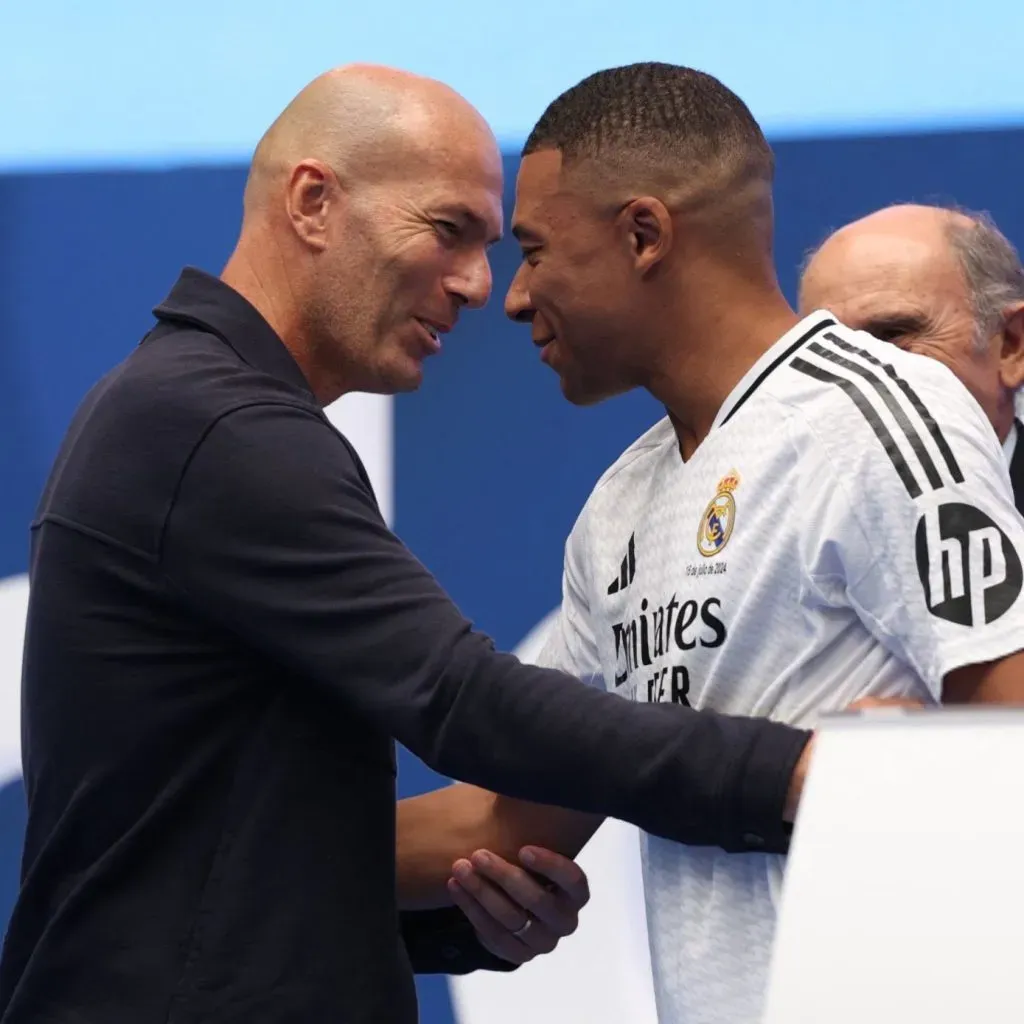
<point>628,570</point>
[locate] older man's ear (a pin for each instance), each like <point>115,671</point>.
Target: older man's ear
<point>1011,354</point>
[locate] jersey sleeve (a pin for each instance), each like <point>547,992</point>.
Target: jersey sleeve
<point>570,645</point>
<point>912,511</point>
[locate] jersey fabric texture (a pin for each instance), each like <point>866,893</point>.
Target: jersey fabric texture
<point>846,529</point>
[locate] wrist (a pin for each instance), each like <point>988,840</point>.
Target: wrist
<point>796,784</point>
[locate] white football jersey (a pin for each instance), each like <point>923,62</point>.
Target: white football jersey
<point>846,529</point>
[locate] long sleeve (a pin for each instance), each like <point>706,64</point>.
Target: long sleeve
<point>442,941</point>
<point>301,566</point>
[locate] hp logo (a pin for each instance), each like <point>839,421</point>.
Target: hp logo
<point>970,572</point>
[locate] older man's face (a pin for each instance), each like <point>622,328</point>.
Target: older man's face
<point>897,278</point>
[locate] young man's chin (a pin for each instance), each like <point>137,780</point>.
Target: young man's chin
<point>580,394</point>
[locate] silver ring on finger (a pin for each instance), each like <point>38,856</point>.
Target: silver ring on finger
<point>520,933</point>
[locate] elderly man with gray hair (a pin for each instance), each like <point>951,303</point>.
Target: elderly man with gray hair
<point>941,282</point>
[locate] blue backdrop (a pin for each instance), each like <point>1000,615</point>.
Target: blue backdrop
<point>490,464</point>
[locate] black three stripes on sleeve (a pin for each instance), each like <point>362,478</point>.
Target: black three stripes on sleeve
<point>893,403</point>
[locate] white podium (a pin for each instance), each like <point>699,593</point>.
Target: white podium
<point>904,894</point>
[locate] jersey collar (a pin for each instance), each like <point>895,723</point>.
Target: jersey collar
<point>793,339</point>
<point>1010,444</point>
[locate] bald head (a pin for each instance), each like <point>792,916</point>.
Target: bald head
<point>905,220</point>
<point>936,281</point>
<point>900,258</point>
<point>926,258</point>
<point>369,209</point>
<point>367,123</point>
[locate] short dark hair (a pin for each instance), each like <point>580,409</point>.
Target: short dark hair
<point>654,111</point>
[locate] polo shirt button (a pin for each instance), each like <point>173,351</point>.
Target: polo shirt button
<point>753,840</point>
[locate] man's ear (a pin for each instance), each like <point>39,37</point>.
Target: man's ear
<point>1011,350</point>
<point>312,189</point>
<point>649,231</point>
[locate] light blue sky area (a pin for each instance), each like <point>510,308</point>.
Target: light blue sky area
<point>113,81</point>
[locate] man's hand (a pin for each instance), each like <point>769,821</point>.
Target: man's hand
<point>519,912</point>
<point>799,777</point>
<point>885,702</point>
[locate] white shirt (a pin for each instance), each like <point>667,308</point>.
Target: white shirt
<point>1010,444</point>
<point>846,528</point>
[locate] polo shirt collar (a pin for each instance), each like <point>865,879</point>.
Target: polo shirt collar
<point>204,301</point>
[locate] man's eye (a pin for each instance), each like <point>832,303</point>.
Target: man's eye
<point>530,256</point>
<point>447,228</point>
<point>889,334</point>
<point>898,332</point>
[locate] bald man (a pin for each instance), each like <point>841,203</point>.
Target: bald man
<point>224,640</point>
<point>940,282</point>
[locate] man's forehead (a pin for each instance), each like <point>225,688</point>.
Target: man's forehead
<point>539,174</point>
<point>860,309</point>
<point>543,194</point>
<point>460,161</point>
<point>474,196</point>
<point>864,263</point>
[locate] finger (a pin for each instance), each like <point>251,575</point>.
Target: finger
<point>561,871</point>
<point>495,937</point>
<point>527,894</point>
<point>506,915</point>
<point>491,895</point>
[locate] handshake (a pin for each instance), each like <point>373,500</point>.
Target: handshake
<point>521,910</point>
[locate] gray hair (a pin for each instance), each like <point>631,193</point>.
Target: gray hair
<point>991,267</point>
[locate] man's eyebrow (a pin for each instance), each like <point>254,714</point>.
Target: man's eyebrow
<point>900,323</point>
<point>475,221</point>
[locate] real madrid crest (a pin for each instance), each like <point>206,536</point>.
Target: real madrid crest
<point>719,517</point>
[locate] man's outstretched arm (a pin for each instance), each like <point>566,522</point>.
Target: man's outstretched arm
<point>439,828</point>
<point>502,862</point>
<point>450,824</point>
